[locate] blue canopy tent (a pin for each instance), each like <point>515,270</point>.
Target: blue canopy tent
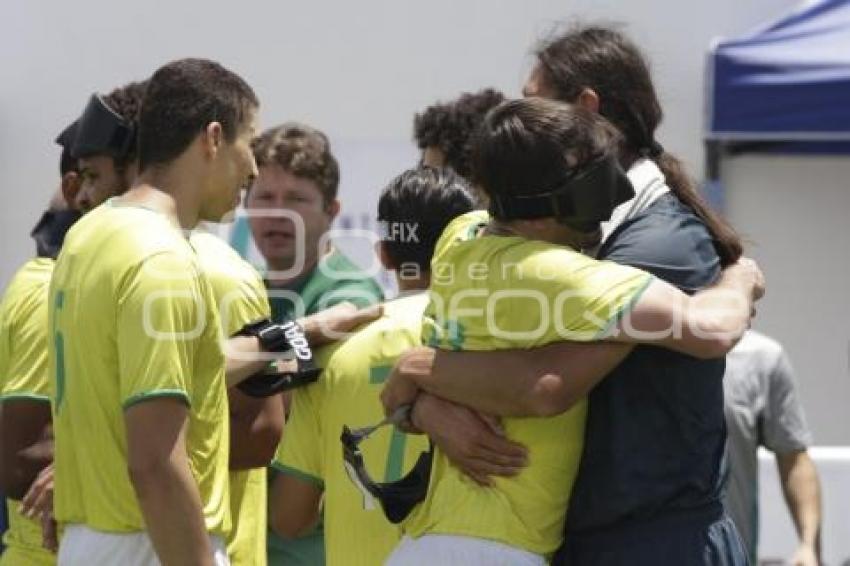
<point>784,88</point>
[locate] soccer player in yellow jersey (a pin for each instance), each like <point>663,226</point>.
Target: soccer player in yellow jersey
<point>255,424</point>
<point>551,173</point>
<point>26,440</point>
<point>413,211</point>
<point>139,398</point>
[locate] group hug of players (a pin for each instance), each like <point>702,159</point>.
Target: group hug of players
<point>546,247</point>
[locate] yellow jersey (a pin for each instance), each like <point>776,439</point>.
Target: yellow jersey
<point>132,318</point>
<point>496,292</point>
<point>241,298</point>
<point>356,530</point>
<point>24,376</point>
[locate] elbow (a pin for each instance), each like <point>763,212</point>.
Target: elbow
<point>146,474</point>
<point>718,344</point>
<point>255,448</point>
<point>265,441</point>
<point>550,396</point>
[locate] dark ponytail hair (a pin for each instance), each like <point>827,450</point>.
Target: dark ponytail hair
<point>604,60</point>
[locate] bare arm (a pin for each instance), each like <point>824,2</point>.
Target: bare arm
<point>26,444</point>
<point>706,325</point>
<point>256,426</point>
<point>540,382</point>
<point>167,492</point>
<point>801,486</point>
<point>293,506</point>
<point>245,357</point>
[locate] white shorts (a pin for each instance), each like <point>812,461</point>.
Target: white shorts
<point>82,546</point>
<point>451,550</point>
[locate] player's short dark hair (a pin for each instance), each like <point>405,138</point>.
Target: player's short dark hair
<point>182,98</point>
<point>449,126</point>
<point>424,199</point>
<point>303,151</point>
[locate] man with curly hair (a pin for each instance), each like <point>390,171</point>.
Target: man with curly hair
<point>26,442</point>
<point>443,131</point>
<point>94,166</point>
<point>291,206</point>
<point>108,169</point>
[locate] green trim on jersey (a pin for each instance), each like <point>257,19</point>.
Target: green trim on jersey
<point>318,482</point>
<point>627,308</point>
<point>148,395</point>
<point>24,396</point>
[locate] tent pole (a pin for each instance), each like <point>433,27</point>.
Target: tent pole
<point>713,189</point>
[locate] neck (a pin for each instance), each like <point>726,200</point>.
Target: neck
<point>172,190</point>
<point>413,284</point>
<point>279,266</point>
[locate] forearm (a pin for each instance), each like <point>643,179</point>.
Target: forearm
<point>801,487</point>
<point>243,358</point>
<point>26,444</point>
<point>25,467</point>
<point>540,382</point>
<point>172,510</point>
<point>719,316</point>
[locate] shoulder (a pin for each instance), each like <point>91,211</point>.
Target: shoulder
<point>753,358</point>
<point>28,289</point>
<point>218,259</point>
<point>336,279</point>
<point>112,239</point>
<point>461,229</point>
<point>669,241</point>
<point>399,328</point>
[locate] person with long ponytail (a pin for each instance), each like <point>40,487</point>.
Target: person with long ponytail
<point>652,469</point>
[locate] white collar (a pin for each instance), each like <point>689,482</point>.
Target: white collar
<point>649,184</point>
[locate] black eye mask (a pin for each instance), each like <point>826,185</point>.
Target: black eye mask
<point>582,200</point>
<point>397,498</point>
<point>101,131</point>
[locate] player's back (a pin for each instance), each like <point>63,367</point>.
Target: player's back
<point>348,394</point>
<point>24,377</point>
<point>501,292</point>
<point>125,280</point>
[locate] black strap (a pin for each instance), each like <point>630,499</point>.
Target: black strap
<point>584,198</point>
<point>280,338</point>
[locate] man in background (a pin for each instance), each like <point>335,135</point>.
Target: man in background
<point>414,209</point>
<point>291,206</point>
<point>763,408</point>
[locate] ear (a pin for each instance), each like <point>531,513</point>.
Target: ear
<point>213,138</point>
<point>589,100</point>
<point>332,209</point>
<point>383,256</point>
<point>71,184</point>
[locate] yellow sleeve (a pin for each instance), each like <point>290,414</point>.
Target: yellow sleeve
<point>160,319</point>
<point>585,297</point>
<point>300,452</point>
<point>245,304</point>
<point>23,350</point>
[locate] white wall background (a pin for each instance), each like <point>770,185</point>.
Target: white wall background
<point>359,70</point>
<point>793,212</point>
